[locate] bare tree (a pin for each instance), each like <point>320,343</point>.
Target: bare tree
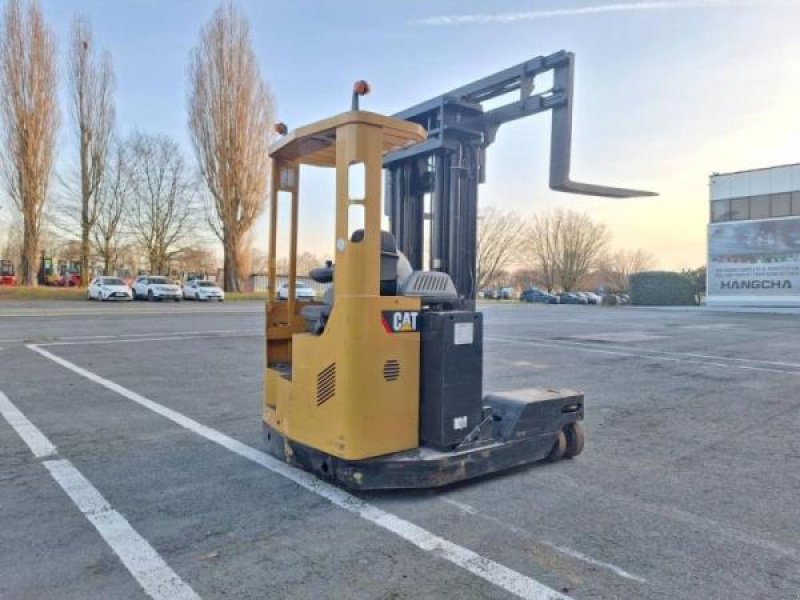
<point>230,115</point>
<point>114,195</point>
<point>564,246</point>
<point>30,119</point>
<point>499,241</point>
<point>541,249</point>
<point>618,267</point>
<point>258,260</point>
<point>163,199</point>
<point>91,82</point>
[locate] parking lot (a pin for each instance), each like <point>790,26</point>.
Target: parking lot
<point>144,473</point>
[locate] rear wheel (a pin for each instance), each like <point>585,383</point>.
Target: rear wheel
<point>559,447</point>
<point>575,440</point>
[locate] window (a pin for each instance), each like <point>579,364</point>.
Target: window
<point>720,210</point>
<point>739,209</point>
<point>760,207</point>
<point>356,181</point>
<point>781,205</point>
<point>288,178</point>
<point>355,221</point>
<point>796,203</point>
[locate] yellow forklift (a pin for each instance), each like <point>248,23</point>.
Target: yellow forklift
<point>379,385</point>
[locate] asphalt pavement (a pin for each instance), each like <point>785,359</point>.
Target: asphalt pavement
<point>153,482</point>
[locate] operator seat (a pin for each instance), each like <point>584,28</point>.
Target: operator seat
<point>393,264</point>
<point>397,279</point>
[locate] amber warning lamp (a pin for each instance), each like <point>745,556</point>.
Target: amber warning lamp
<point>360,88</point>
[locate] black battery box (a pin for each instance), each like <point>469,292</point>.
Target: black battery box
<point>451,376</point>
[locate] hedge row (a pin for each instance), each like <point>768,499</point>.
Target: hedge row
<point>662,288</point>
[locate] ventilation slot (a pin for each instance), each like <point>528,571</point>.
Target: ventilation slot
<point>326,384</point>
<point>391,370</point>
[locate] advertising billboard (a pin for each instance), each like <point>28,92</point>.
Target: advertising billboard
<point>754,258</point>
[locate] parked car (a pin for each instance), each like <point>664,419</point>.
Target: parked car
<point>507,293</point>
<point>592,297</point>
<point>108,288</point>
<point>536,295</point>
<point>491,294</point>
<point>571,298</point>
<point>624,299</point>
<point>71,279</point>
<point>301,292</point>
<point>155,287</point>
<point>198,289</point>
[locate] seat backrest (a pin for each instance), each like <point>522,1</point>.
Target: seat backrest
<point>388,260</point>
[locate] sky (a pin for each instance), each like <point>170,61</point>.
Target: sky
<point>667,91</point>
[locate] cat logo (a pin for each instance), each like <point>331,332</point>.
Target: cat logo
<point>400,321</point>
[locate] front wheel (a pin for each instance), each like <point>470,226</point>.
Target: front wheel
<point>150,296</point>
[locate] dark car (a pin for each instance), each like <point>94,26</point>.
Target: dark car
<point>537,295</point>
<point>570,298</point>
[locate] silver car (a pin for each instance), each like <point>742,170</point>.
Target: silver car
<point>154,287</point>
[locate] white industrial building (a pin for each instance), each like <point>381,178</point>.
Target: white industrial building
<point>754,238</point>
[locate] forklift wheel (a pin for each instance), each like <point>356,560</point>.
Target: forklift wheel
<point>559,448</point>
<point>574,436</point>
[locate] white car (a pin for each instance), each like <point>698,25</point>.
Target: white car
<point>198,289</point>
<point>108,288</point>
<point>301,292</point>
<point>154,287</point>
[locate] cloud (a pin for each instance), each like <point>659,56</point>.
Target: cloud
<point>533,15</point>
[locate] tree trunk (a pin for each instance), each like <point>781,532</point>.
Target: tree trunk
<point>85,197</point>
<point>107,260</point>
<point>85,249</point>
<point>29,256</point>
<point>231,250</point>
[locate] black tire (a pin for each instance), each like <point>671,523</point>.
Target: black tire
<point>575,440</point>
<point>559,447</point>
<point>177,299</point>
<point>150,297</point>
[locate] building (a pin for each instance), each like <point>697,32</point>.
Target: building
<point>754,238</point>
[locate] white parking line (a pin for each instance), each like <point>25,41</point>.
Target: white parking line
<point>119,336</point>
<point>499,575</point>
<point>30,434</point>
<point>662,357</point>
<point>90,312</point>
<point>679,354</point>
<point>157,579</point>
<point>472,511</point>
<point>174,338</point>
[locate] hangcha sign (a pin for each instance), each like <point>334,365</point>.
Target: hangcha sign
<point>756,258</point>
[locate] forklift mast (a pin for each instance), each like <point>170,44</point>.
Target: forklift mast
<point>447,167</point>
